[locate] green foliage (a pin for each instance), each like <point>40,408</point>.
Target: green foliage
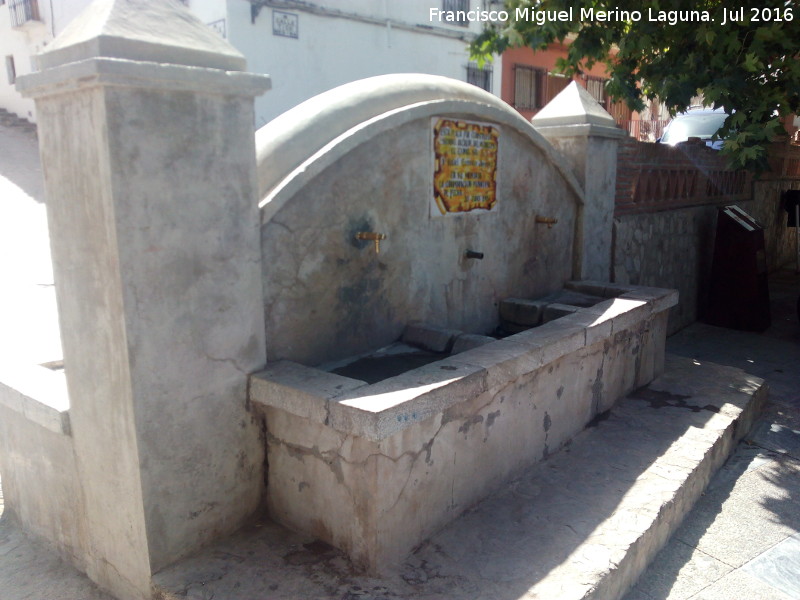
<point>750,66</point>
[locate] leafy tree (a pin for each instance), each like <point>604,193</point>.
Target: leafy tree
<point>750,66</point>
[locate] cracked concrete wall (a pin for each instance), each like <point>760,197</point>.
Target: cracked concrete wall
<point>377,500</point>
<point>191,290</point>
<point>328,296</point>
<point>594,162</point>
<point>145,133</point>
<point>81,222</point>
<point>154,226</point>
<point>40,483</point>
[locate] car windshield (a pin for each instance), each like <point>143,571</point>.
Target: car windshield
<point>702,126</point>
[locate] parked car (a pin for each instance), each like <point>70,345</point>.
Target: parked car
<point>700,123</point>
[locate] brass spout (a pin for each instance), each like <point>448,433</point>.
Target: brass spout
<point>373,236</point>
<point>549,221</point>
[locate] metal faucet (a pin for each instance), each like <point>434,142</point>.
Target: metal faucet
<point>549,221</point>
<point>373,236</point>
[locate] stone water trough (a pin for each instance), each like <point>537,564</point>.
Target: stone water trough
<point>375,469</point>
<point>375,464</point>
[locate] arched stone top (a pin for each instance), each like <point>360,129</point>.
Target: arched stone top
<point>304,140</point>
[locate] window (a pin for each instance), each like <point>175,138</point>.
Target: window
<point>535,87</point>
<point>480,76</point>
<point>23,11</point>
<point>11,70</point>
<point>528,84</point>
<point>555,83</point>
<point>460,8</point>
<point>596,86</point>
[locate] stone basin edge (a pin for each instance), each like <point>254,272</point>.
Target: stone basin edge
<point>377,411</point>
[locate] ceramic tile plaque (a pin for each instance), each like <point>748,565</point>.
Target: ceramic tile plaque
<point>465,166</point>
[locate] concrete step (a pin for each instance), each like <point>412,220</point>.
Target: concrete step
<point>583,524</point>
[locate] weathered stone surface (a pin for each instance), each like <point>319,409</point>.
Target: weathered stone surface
<point>382,409</point>
<point>581,525</point>
<point>574,298</point>
<point>554,339</point>
<point>430,337</point>
<point>522,311</point>
<point>678,573</point>
<point>513,328</point>
<point>150,30</point>
<point>152,210</point>
<point>573,106</point>
<point>337,297</point>
<point>555,311</point>
<point>599,288</point>
<point>779,567</point>
<point>585,134</point>
<point>37,393</point>
<point>516,312</point>
<point>298,389</point>
<point>468,341</point>
<point>444,435</point>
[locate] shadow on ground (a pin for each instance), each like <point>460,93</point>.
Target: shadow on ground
<point>741,539</point>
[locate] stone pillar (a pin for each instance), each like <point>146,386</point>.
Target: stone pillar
<point>587,136</point>
<point>146,136</point>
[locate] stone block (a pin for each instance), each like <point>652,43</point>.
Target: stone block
<point>37,393</point>
<point>554,339</point>
<point>504,360</point>
<point>597,328</point>
<point>430,337</point>
<point>599,288</point>
<point>446,434</point>
<point>522,311</point>
<point>621,313</point>
<point>299,390</point>
<point>557,310</point>
<point>574,298</point>
<point>384,408</point>
<point>468,341</point>
<point>659,299</point>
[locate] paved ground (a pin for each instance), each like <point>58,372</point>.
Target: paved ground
<point>740,542</point>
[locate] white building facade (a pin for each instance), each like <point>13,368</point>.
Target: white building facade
<point>307,47</point>
<point>26,27</point>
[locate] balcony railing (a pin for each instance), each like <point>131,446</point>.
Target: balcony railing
<point>645,130</point>
<point>23,11</point>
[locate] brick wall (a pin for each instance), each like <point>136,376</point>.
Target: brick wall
<point>654,177</point>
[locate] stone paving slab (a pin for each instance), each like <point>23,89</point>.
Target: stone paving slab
<point>779,567</point>
<point>736,542</point>
<point>682,572</point>
<point>740,540</point>
<point>583,524</point>
<point>735,535</point>
<point>737,528</point>
<point>741,586</point>
<point>777,437</point>
<point>31,571</point>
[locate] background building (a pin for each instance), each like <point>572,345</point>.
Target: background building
<point>26,27</point>
<point>306,47</point>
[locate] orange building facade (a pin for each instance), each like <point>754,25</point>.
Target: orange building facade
<point>528,82</point>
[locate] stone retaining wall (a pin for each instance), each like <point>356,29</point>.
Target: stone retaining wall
<point>664,236</point>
